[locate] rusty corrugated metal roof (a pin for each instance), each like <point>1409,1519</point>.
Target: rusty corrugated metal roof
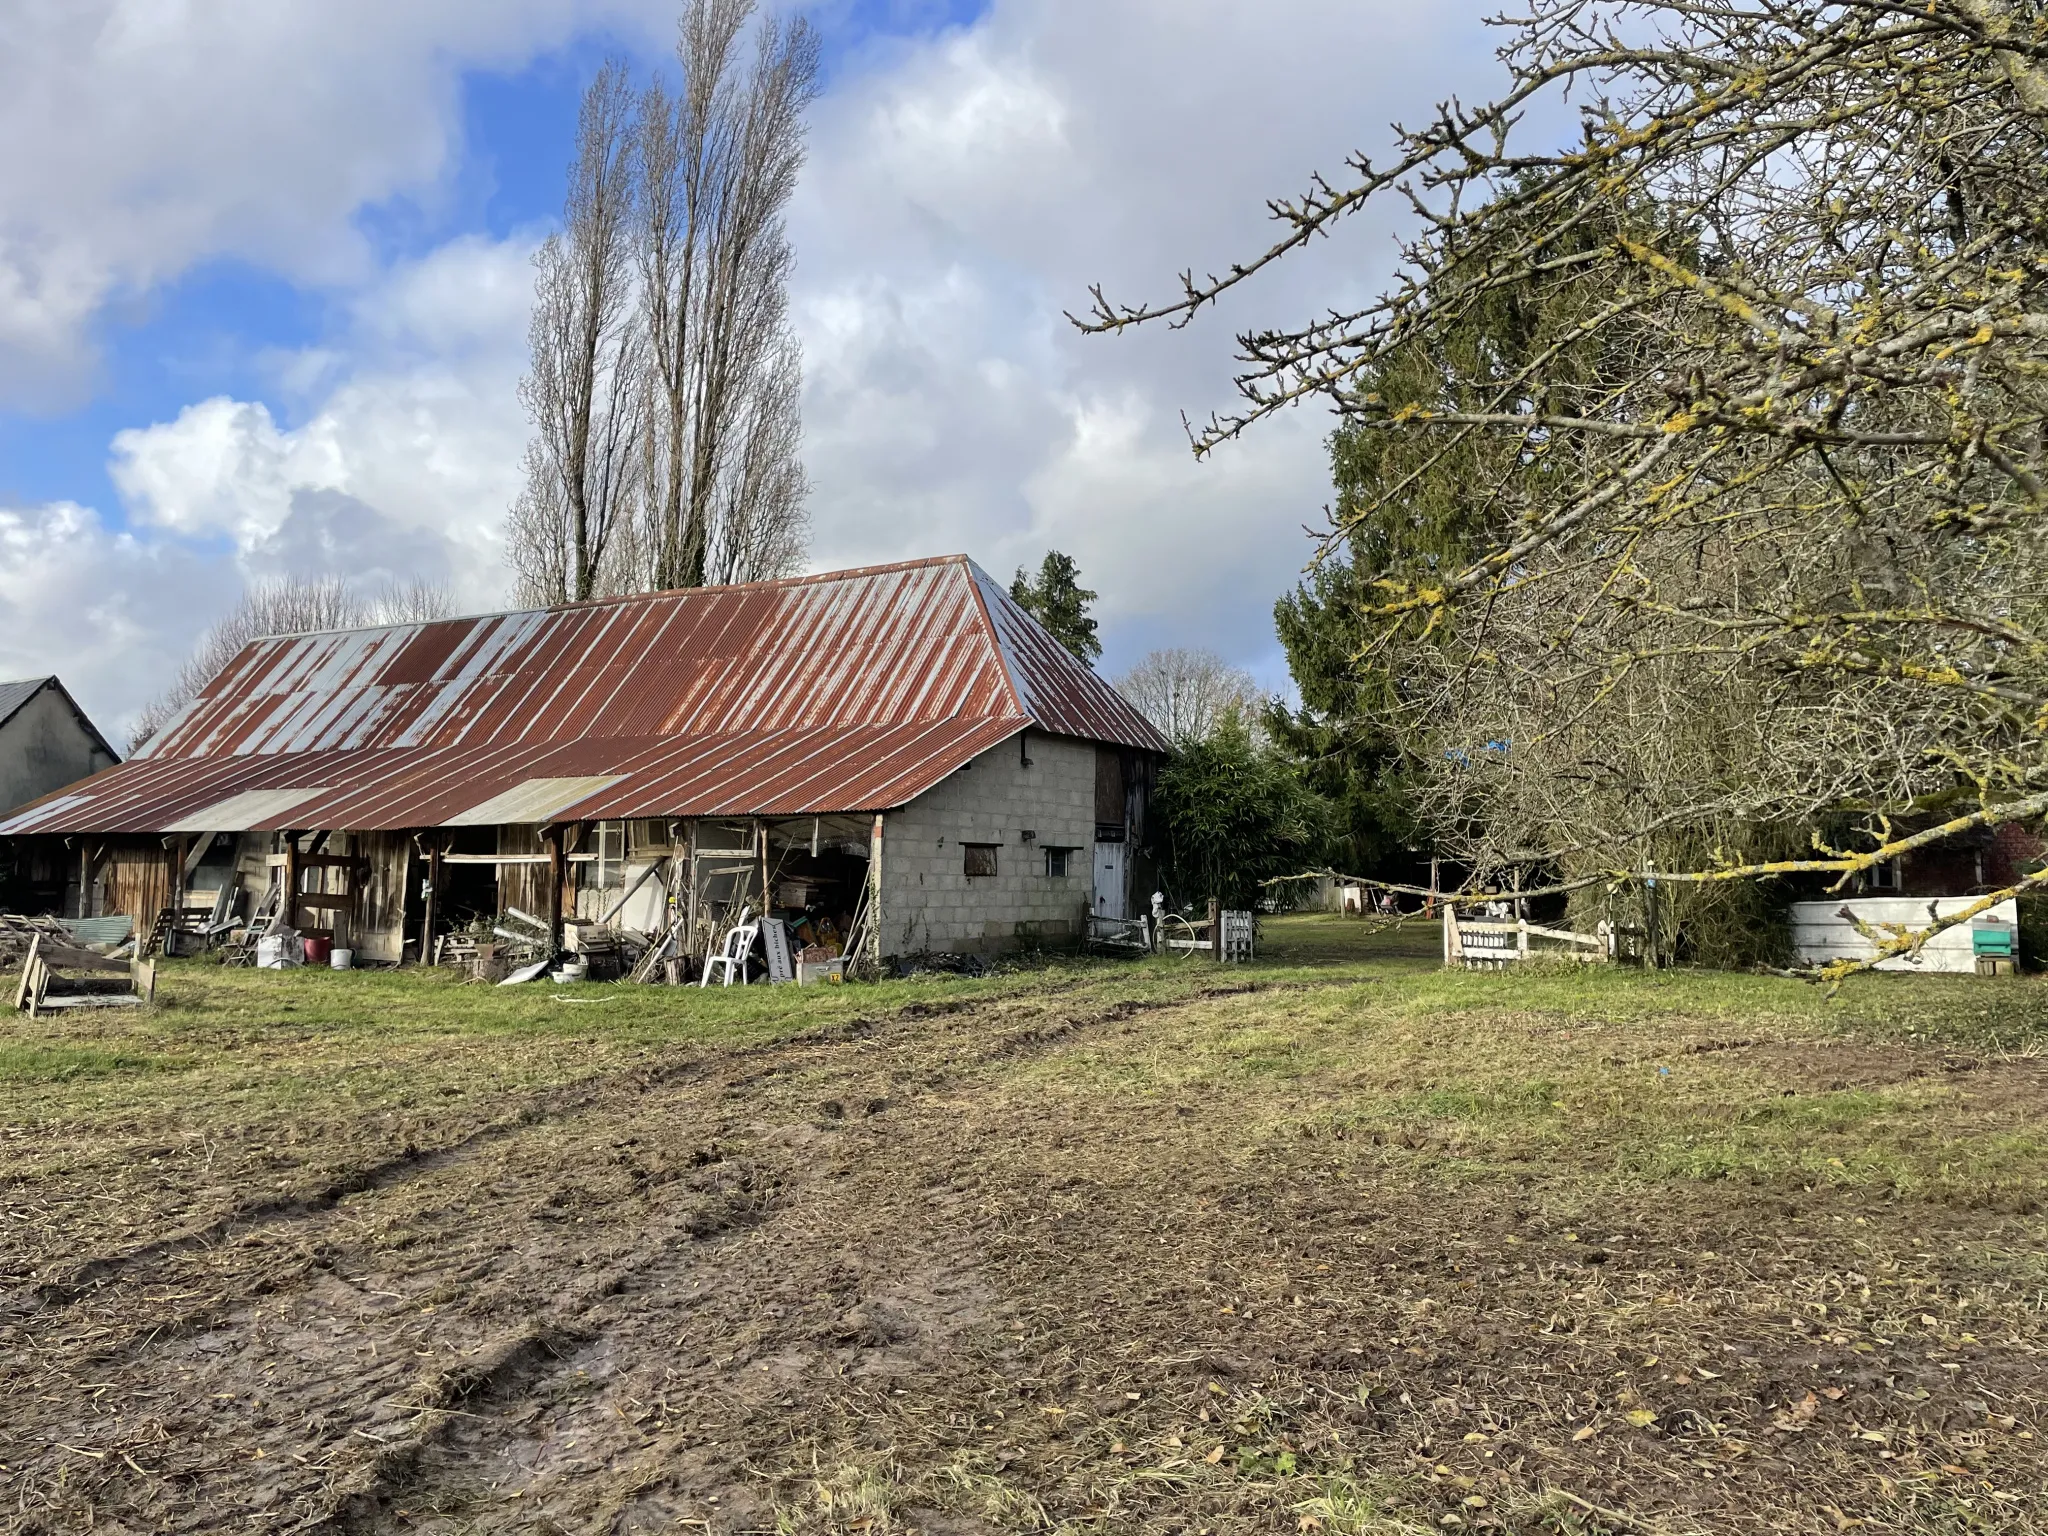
<point>853,691</point>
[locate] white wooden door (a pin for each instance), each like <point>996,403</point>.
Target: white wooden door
<point>1111,886</point>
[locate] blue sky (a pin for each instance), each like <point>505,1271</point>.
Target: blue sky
<point>263,288</point>
<point>211,330</point>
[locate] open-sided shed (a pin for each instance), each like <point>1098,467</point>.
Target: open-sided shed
<point>901,737</point>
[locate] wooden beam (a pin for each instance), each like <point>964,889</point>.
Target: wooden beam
<point>690,851</point>
<point>288,898</point>
<point>179,869</point>
<point>433,894</point>
<point>557,869</point>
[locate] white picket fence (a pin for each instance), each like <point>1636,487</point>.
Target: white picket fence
<point>1494,945</point>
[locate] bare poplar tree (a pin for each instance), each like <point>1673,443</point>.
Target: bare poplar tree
<point>584,392</point>
<point>720,159</point>
<point>1187,693</point>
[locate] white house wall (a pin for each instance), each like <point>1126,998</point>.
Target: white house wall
<point>1820,934</point>
<point>930,903</point>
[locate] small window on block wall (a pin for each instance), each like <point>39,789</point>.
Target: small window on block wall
<point>1056,862</point>
<point>978,859</point>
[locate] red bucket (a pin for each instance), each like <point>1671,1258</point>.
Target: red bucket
<point>319,951</point>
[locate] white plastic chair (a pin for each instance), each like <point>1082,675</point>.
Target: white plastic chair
<point>733,955</point>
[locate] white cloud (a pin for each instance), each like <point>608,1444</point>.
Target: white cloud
<point>146,135</point>
<point>401,465</point>
<point>966,190</point>
<point>408,454</point>
<point>109,612</point>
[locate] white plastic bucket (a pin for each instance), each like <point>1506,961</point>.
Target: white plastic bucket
<point>342,959</point>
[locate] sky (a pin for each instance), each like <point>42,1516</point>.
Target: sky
<point>265,278</point>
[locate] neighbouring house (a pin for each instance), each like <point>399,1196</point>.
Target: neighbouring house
<point>1940,880</point>
<point>46,742</point>
<point>903,736</point>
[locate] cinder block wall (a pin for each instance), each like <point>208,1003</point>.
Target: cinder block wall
<point>930,903</point>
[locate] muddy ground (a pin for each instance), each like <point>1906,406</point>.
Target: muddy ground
<point>988,1265</point>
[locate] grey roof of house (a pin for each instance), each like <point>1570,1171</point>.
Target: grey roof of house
<point>14,695</point>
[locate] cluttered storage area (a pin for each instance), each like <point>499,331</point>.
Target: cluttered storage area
<point>650,900</point>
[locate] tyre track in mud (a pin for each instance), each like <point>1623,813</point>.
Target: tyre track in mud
<point>581,1096</point>
<point>413,1476</point>
<point>943,1044</point>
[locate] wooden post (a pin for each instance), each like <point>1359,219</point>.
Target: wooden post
<point>1521,937</point>
<point>288,898</point>
<point>1430,910</point>
<point>761,852</point>
<point>689,943</point>
<point>178,873</point>
<point>558,865</point>
<point>433,901</point>
<point>1450,935</point>
<point>874,934</point>
<point>1215,930</point>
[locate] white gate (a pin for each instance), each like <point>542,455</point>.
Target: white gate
<point>1111,887</point>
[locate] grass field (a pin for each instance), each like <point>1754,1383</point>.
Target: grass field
<point>1333,1243</point>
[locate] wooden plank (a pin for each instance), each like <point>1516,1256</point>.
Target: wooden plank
<point>28,970</point>
<point>63,957</point>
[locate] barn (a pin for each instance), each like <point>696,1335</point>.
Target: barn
<point>900,744</point>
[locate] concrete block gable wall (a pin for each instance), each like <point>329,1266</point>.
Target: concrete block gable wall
<point>929,902</point>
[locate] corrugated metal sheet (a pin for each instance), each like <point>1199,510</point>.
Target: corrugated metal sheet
<point>1054,689</point>
<point>855,691</point>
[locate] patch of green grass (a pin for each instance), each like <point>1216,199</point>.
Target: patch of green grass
<point>68,1063</point>
<point>1808,1114</point>
<point>1462,1101</point>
